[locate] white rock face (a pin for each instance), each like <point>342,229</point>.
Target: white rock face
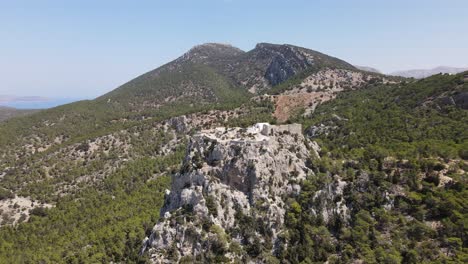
<point>329,201</point>
<point>229,173</point>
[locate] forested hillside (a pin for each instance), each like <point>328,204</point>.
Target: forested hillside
<point>401,152</point>
<point>9,112</point>
<point>377,175</point>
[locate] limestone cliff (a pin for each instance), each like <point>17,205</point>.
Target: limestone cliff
<point>231,194</point>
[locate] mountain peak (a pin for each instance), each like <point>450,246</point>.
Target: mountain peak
<point>210,50</point>
<point>255,71</point>
<point>423,73</point>
<point>215,45</point>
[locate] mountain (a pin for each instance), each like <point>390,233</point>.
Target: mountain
<point>206,77</point>
<point>423,73</point>
<point>9,112</point>
<point>277,154</point>
<point>220,69</point>
<point>268,65</point>
<point>369,69</point>
<point>189,79</point>
<point>212,79</point>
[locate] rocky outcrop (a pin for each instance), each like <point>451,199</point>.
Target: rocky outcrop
<point>286,61</point>
<point>230,194</point>
<point>318,87</point>
<point>329,203</point>
<point>454,99</point>
<point>179,124</point>
<point>459,100</point>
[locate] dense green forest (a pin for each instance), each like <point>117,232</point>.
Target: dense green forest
<point>398,120</point>
<point>379,139</point>
<point>98,224</point>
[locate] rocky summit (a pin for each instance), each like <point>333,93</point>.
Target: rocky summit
<point>229,175</point>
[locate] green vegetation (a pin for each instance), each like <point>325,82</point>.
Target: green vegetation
<point>401,149</point>
<point>379,140</point>
<point>8,112</point>
<point>395,120</point>
<point>191,84</point>
<point>54,171</point>
<point>151,97</point>
<point>97,225</point>
<point>258,111</point>
<point>135,107</point>
<point>377,235</point>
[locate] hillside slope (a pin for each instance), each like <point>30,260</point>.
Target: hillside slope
<point>209,76</point>
<point>58,151</point>
<point>9,112</point>
<point>377,175</point>
<point>383,184</point>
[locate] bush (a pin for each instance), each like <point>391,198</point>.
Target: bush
<point>6,194</point>
<point>39,211</point>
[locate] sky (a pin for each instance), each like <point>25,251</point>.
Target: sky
<point>83,49</point>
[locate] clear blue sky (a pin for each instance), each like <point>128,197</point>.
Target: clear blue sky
<point>86,48</point>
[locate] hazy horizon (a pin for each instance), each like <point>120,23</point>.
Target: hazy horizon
<point>85,49</point>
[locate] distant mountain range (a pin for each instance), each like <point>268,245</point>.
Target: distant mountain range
<point>423,73</point>
<point>417,73</point>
